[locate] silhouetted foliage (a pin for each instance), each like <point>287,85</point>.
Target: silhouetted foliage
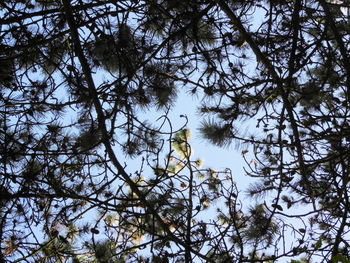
<point>85,178</point>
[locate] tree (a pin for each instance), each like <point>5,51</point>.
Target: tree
<point>76,78</point>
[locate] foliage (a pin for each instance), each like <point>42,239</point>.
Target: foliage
<point>84,178</point>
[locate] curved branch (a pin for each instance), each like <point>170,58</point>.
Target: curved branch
<point>271,70</point>
<point>105,135</point>
<point>343,51</point>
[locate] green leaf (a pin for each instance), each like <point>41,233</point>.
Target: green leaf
<point>340,258</point>
<point>277,206</point>
<point>318,244</point>
<point>216,133</point>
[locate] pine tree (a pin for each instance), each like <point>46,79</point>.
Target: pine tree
<point>76,79</point>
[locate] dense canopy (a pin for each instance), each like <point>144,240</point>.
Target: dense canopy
<point>84,178</point>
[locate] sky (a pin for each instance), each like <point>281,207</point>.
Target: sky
<point>218,158</point>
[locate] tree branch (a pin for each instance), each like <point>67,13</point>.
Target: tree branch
<point>271,70</point>
<point>102,126</point>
